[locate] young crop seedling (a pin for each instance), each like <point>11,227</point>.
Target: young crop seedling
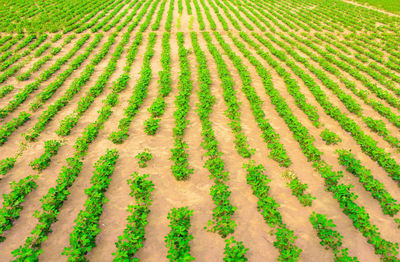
<point>151,125</point>
<point>298,188</point>
<point>143,158</point>
<point>330,137</point>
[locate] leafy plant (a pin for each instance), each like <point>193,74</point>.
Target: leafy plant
<point>143,158</point>
<point>134,234</point>
<point>83,237</point>
<point>177,241</point>
<point>330,238</point>
<point>50,149</point>
<point>5,90</point>
<point>330,137</point>
<point>12,202</point>
<point>151,125</point>
<point>298,188</point>
<point>235,251</point>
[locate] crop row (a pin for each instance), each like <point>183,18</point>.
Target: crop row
<point>229,94</point>
<point>177,241</point>
<point>24,93</point>
<point>270,136</point>
<point>12,202</point>
<point>180,168</point>
<point>138,96</point>
<point>46,116</point>
<point>157,108</point>
<point>134,233</point>
<point>341,192</point>
<point>330,238</point>
<point>222,222</point>
<point>83,237</point>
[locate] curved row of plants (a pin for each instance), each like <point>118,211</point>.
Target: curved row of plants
<point>138,96</point>
<point>158,106</point>
<point>368,144</point>
<point>47,115</point>
<point>341,192</point>
<point>134,234</point>
<point>24,93</point>
<point>83,237</point>
<point>231,102</point>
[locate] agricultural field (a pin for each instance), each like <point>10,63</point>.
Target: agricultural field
<point>199,130</point>
<point>388,5</point>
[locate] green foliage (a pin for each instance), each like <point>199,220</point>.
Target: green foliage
<point>330,137</point>
<point>235,251</point>
<point>388,5</point>
<point>5,90</point>
<point>138,96</point>
<point>134,234</point>
<point>23,93</point>
<point>180,168</point>
<point>233,110</point>
<point>12,202</point>
<point>151,125</point>
<point>377,189</point>
<point>268,208</point>
<point>298,188</point>
<point>50,149</point>
<point>330,238</point>
<point>341,192</point>
<point>177,240</point>
<point>83,237</point>
<point>143,158</point>
<point>6,164</point>
<point>33,133</point>
<point>223,211</point>
<point>7,129</point>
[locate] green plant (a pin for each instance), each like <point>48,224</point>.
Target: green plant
<point>298,188</point>
<point>12,202</point>
<point>177,240</point>
<point>235,251</point>
<point>329,237</point>
<point>143,158</point>
<point>6,164</point>
<point>6,90</point>
<point>134,234</point>
<point>50,149</point>
<point>330,137</point>
<point>151,125</point>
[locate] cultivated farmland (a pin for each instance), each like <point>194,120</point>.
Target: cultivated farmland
<point>207,130</point>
